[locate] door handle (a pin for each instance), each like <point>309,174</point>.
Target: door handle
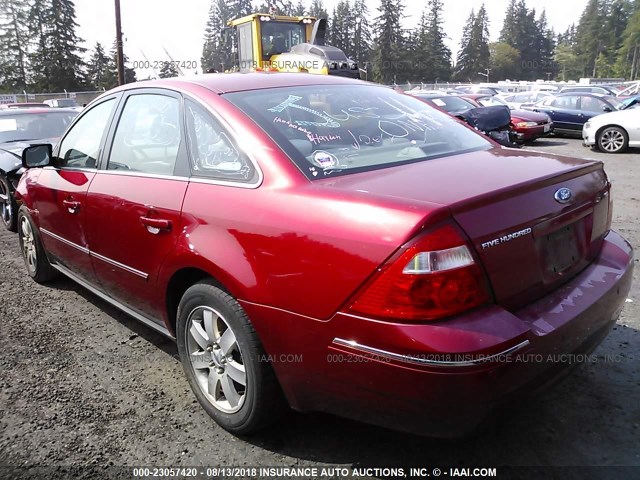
<point>72,205</point>
<point>155,225</point>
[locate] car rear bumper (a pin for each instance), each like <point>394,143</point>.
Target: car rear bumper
<point>443,379</point>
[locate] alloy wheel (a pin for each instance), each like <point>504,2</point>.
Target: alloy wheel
<point>612,140</point>
<point>6,209</point>
<point>216,359</point>
<point>28,244</point>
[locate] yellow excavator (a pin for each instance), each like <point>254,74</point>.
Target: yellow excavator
<point>269,42</point>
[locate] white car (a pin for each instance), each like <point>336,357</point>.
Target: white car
<point>613,132</point>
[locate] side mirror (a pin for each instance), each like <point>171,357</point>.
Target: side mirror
<point>37,156</point>
<point>607,109</point>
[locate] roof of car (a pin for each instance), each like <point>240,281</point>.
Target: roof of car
<point>34,110</point>
<point>237,82</point>
<point>583,94</point>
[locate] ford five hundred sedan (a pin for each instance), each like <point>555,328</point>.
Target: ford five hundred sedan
<point>329,245</point>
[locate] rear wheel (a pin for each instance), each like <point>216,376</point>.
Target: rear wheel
<point>224,361</point>
<point>33,253</point>
<point>7,205</point>
<point>613,140</point>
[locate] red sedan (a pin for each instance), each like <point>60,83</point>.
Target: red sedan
<point>328,244</point>
<point>531,125</point>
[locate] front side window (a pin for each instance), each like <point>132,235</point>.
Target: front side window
<point>213,154</point>
<point>148,137</point>
<point>592,104</point>
<point>570,102</point>
<point>340,129</point>
<point>81,147</point>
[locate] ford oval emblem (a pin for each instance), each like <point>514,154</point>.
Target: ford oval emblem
<point>563,195</point>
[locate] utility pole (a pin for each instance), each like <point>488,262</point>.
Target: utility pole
<point>119,48</point>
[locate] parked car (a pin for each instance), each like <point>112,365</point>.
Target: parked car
<point>600,89</point>
<point>529,125</point>
<point>517,100</point>
<point>62,103</point>
<point>20,128</point>
<point>478,90</point>
<point>329,244</point>
<point>614,132</point>
<point>453,104</point>
<point>570,111</point>
<point>23,105</point>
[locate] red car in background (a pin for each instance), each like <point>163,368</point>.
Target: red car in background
<point>531,125</point>
<point>328,244</point>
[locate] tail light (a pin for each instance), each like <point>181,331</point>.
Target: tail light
<point>433,277</point>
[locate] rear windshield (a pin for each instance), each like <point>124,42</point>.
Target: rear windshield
<point>341,129</point>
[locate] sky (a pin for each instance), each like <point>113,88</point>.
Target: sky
<point>150,26</point>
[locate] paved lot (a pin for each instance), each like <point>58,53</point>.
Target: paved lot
<point>81,383</point>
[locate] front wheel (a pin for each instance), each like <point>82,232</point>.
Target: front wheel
<point>224,361</point>
<point>613,140</point>
<point>7,205</point>
<point>33,253</point>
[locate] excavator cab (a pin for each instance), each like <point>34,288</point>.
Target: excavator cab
<point>287,44</point>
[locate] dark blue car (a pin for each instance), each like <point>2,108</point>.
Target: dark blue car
<point>570,111</point>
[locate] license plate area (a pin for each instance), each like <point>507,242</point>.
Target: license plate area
<point>561,250</point>
<point>547,128</point>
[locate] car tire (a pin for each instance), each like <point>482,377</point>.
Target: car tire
<point>33,252</point>
<point>613,140</point>
<point>8,207</point>
<point>217,362</point>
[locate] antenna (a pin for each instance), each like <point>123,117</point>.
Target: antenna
<point>174,62</point>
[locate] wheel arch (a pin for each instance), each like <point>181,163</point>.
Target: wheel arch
<point>178,284</point>
<point>604,127</point>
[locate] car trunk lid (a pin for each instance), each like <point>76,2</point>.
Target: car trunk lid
<point>528,236</point>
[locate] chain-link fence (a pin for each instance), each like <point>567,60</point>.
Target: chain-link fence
<point>81,98</point>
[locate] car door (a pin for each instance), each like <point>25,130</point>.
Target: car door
<point>134,202</point>
<point>564,112</point>
<point>60,194</point>
<point>592,106</point>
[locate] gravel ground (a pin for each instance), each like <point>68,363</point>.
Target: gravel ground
<point>81,383</point>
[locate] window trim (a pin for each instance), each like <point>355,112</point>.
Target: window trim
<point>115,120</point>
<point>117,97</point>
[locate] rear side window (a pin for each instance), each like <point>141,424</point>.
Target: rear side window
<point>81,147</point>
<point>148,137</point>
<point>213,153</point>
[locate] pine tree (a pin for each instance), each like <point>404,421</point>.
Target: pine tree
<point>111,76</point>
<point>168,70</point>
<point>299,9</point>
<point>98,73</point>
<point>441,54</point>
<point>217,54</point>
<point>628,62</point>
<point>317,9</point>
<point>590,41</point>
<point>13,44</point>
<point>342,28</point>
<point>474,57</point>
<point>361,33</point>
<point>39,25</point>
<point>388,59</point>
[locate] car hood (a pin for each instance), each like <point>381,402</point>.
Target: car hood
<point>11,153</point>
<point>16,148</point>
<point>528,116</point>
<point>617,117</point>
